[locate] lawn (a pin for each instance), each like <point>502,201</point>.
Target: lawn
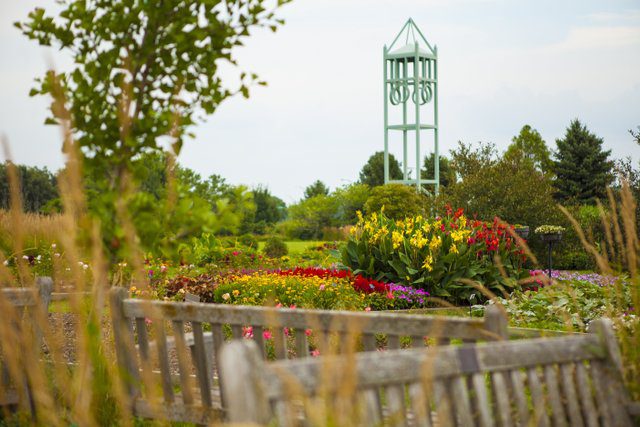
<point>296,247</point>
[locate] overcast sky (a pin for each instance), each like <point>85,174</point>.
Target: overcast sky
<point>502,64</point>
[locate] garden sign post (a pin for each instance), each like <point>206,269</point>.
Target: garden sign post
<point>411,83</point>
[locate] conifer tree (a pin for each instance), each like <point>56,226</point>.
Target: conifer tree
<point>583,169</point>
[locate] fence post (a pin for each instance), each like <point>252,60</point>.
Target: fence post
<point>123,338</point>
<point>495,321</point>
<point>241,365</point>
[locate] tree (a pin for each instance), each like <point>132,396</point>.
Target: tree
<point>447,174</point>
<point>582,167</point>
<point>269,209</point>
<point>143,72</point>
<point>372,172</point>
<point>466,161</point>
<point>38,187</point>
<point>635,135</point>
<point>316,189</point>
<point>307,219</point>
<point>399,201</point>
<point>530,146</point>
<point>350,199</point>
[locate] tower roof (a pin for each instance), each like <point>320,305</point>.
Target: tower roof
<point>407,38</point>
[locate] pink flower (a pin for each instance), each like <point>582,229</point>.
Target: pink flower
<point>150,273</point>
<point>247,331</point>
<point>292,306</point>
<point>321,287</point>
<point>163,268</point>
<point>286,331</point>
<point>367,309</point>
<point>315,353</point>
<point>278,305</point>
<point>148,321</point>
<point>235,253</point>
<point>267,335</point>
<point>389,294</point>
<point>308,332</point>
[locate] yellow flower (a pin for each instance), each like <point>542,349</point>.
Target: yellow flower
<point>428,261</point>
<point>453,249</point>
<point>418,240</point>
<point>463,221</point>
<point>435,244</point>
<point>397,239</point>
<point>235,292</point>
<point>359,215</point>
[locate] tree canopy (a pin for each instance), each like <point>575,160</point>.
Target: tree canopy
<point>372,172</point>
<point>530,146</point>
<point>316,189</point>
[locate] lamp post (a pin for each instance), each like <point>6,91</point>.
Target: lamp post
<point>551,235</point>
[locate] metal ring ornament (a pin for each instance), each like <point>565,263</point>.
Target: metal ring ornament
<point>399,93</point>
<point>426,93</point>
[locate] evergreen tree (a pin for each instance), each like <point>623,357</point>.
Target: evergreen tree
<point>316,189</point>
<point>582,167</point>
<point>372,172</point>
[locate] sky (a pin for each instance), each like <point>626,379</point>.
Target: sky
<point>502,64</point>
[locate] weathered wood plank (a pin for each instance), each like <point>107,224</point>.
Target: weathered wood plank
<point>200,362</point>
<point>569,391</point>
<point>420,405</point>
<point>586,396</point>
<point>482,400</point>
<point>183,364</point>
<point>502,398</point>
<point>538,400</point>
<point>517,385</point>
<point>460,401</point>
<point>163,360</point>
<point>336,321</point>
<point>553,392</point>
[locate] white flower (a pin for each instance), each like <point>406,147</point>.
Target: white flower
<point>57,255</point>
<point>53,245</point>
<point>38,258</point>
<point>25,257</point>
<point>85,266</point>
<point>6,262</point>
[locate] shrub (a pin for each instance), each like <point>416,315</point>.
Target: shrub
<point>275,248</point>
<point>398,200</point>
<point>434,254</point>
<point>248,240</point>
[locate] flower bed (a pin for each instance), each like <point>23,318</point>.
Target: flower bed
<point>299,287</point>
<point>435,254</point>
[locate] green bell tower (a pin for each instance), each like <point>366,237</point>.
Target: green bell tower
<point>410,67</point>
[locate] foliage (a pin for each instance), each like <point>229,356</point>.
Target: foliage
<point>510,188</point>
<point>316,189</point>
<point>398,201</point>
<point>37,185</point>
<point>248,240</point>
<point>269,210</point>
<point>372,173</point>
<point>275,248</point>
<point>549,229</point>
<point>307,218</point>
<point>570,303</point>
<point>435,253</point>
<point>582,167</point>
<point>447,174</point>
<point>467,161</point>
<point>350,199</point>
<point>142,74</point>
<point>529,146</point>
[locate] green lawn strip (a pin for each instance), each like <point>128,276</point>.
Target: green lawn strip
<point>296,247</point>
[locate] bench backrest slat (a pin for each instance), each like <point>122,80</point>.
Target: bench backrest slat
<point>552,381</point>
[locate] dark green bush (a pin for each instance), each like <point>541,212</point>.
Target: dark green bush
<point>399,201</point>
<point>248,240</point>
<point>275,248</point>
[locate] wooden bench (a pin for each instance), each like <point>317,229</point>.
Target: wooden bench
<point>145,331</point>
<point>24,311</point>
<point>575,380</point>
